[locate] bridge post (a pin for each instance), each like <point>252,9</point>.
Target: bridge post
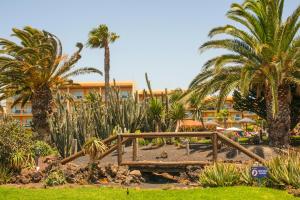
<point>134,149</point>
<point>215,146</point>
<point>120,152</point>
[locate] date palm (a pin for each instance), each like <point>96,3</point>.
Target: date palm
<point>101,37</point>
<point>263,55</point>
<point>33,69</point>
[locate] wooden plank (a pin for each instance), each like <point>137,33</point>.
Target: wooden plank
<point>111,149</point>
<point>215,147</point>
<point>164,164</point>
<point>241,148</point>
<point>134,149</point>
<point>120,152</point>
<point>168,134</point>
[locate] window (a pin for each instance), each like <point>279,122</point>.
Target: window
<point>16,109</point>
<point>27,109</point>
<point>237,117</point>
<point>124,94</point>
<point>27,122</point>
<point>78,94</point>
<point>227,105</point>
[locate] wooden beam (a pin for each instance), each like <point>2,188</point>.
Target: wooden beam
<point>120,152</point>
<point>164,164</point>
<point>215,147</point>
<point>134,149</point>
<point>241,148</point>
<point>168,134</point>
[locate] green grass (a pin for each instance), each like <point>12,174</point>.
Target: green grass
<point>91,193</point>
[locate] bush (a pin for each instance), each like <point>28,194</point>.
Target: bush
<point>42,148</point>
<point>15,145</point>
<point>285,171</point>
<point>295,140</point>
<point>5,175</point>
<point>55,178</point>
<point>219,175</point>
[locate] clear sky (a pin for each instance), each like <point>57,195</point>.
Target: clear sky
<point>160,37</point>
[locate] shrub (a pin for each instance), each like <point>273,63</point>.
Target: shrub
<point>15,144</point>
<point>55,178</point>
<point>285,171</point>
<point>246,177</point>
<point>5,175</point>
<point>219,175</point>
<point>42,148</point>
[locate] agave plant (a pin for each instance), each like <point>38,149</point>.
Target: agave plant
<point>94,148</point>
<point>219,175</point>
<point>285,170</point>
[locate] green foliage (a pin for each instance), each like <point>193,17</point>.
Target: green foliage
<point>219,175</point>
<point>5,175</point>
<point>41,148</point>
<point>94,148</point>
<point>284,170</point>
<point>55,178</point>
<point>15,145</point>
<point>34,67</point>
<point>162,193</point>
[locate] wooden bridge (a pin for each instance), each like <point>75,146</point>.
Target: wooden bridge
<point>116,142</point>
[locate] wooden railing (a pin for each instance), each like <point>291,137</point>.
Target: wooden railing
<point>215,136</point>
<point>123,138</point>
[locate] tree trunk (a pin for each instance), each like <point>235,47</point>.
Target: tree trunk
<point>279,124</point>
<point>106,71</point>
<point>41,105</point>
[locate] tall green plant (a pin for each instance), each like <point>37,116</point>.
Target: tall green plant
<point>262,55</point>
<point>33,68</point>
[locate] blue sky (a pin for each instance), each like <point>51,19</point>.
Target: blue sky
<point>160,37</point>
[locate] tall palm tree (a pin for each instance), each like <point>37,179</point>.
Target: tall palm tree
<point>101,37</point>
<point>263,55</point>
<point>33,69</point>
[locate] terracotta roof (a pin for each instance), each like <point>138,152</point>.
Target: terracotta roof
<point>190,123</point>
<point>101,83</point>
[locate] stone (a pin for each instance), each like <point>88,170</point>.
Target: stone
<point>164,155</point>
<point>36,177</point>
<point>24,180</point>
<point>136,173</point>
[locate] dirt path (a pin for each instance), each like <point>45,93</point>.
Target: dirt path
<point>197,153</point>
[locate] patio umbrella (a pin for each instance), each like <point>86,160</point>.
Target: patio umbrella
<point>234,129</point>
<point>247,121</point>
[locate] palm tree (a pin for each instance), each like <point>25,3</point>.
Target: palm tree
<point>263,56</point>
<point>177,113</point>
<point>34,69</point>
<point>101,37</point>
<point>223,116</point>
<point>197,106</point>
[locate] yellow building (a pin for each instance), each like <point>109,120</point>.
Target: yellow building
<point>78,90</point>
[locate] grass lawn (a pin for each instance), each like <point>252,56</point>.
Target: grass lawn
<point>90,193</point>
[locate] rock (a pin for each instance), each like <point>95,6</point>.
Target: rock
<point>193,172</point>
<point>112,170</point>
<point>164,155</point>
<point>136,173</point>
<point>24,180</point>
<point>36,177</point>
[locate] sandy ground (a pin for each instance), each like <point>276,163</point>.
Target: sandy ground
<point>197,153</point>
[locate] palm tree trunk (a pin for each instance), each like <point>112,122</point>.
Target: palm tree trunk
<point>106,71</point>
<point>279,124</point>
<point>41,105</point>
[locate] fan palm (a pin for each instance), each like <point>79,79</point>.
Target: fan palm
<point>101,37</point>
<point>33,69</point>
<point>263,54</point>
